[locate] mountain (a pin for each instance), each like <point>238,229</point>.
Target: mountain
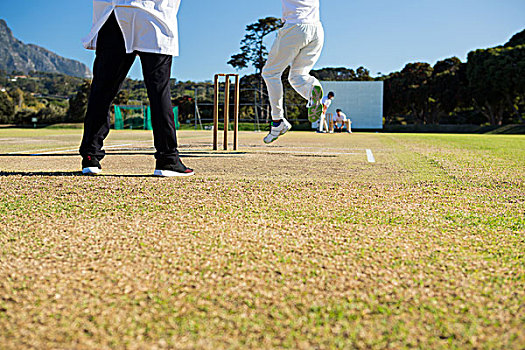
<point>17,56</point>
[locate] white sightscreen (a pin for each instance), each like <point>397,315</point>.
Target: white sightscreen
<point>361,101</point>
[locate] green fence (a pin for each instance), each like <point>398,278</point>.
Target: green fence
<point>138,117</point>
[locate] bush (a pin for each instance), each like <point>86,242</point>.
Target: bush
<point>52,114</point>
<point>7,108</point>
<point>24,116</point>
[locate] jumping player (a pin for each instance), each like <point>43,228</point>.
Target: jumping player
<point>121,31</point>
<point>298,45</point>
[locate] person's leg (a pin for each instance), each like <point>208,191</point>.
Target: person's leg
<point>322,123</point>
<point>156,69</point>
<point>300,69</point>
<point>300,79</point>
<point>285,48</point>
<point>111,67</point>
<point>288,44</point>
<point>348,126</point>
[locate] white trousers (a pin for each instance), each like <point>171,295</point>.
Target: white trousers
<point>298,46</point>
<point>323,126</point>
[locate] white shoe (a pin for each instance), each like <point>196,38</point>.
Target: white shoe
<point>275,132</point>
<point>91,171</point>
<point>91,165</point>
<point>171,173</point>
<point>167,168</point>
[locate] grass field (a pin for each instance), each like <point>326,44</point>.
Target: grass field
<point>303,244</point>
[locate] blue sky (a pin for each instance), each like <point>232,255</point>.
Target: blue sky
<point>382,35</point>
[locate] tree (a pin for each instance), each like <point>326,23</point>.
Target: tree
<point>78,104</point>
<point>186,106</point>
<point>363,74</point>
<point>335,74</point>
<point>122,98</point>
<point>414,78</point>
<point>51,114</point>
<point>517,40</point>
<point>7,108</point>
<point>253,50</point>
<point>342,74</point>
<point>447,89</point>
<point>394,104</point>
<point>18,97</point>
<point>497,81</point>
<point>426,93</point>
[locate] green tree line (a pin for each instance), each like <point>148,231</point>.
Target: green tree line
<point>487,89</point>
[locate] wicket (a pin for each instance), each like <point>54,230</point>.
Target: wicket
<point>227,85</point>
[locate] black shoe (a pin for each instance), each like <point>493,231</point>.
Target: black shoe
<point>171,169</point>
<point>91,166</point>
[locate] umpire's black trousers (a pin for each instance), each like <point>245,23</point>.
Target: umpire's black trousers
<point>111,67</point>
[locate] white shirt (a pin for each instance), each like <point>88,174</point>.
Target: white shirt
<point>301,11</point>
<point>147,25</point>
<point>327,103</point>
<point>340,117</point>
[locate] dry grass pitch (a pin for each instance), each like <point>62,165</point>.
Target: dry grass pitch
<point>303,244</point>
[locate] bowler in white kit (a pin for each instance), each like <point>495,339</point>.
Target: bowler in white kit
<point>298,45</point>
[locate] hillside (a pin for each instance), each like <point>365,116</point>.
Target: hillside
<point>18,56</point>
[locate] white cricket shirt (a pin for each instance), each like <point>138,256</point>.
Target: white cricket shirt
<point>341,117</point>
<point>326,102</point>
<point>147,25</point>
<point>301,12</point>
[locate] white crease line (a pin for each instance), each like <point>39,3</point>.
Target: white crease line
<point>62,149</point>
<point>76,149</point>
<point>307,153</point>
<point>301,147</point>
<point>370,156</point>
<point>37,150</point>
<point>23,139</point>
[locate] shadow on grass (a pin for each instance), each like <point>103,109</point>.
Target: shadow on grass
<point>203,154</point>
<point>40,173</point>
<point>64,174</point>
